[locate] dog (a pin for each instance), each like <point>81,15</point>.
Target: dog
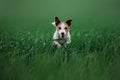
<point>61,35</point>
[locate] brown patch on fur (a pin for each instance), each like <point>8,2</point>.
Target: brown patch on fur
<point>58,26</point>
<point>68,22</point>
<point>57,21</point>
<point>66,26</point>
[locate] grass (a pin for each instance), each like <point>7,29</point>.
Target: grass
<point>26,52</point>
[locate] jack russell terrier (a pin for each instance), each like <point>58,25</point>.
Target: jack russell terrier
<point>62,34</point>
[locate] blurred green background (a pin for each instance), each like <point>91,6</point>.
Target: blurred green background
<point>63,8</point>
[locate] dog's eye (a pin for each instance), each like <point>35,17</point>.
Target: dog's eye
<point>65,28</point>
<point>59,27</point>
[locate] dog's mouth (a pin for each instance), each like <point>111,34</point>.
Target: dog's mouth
<point>62,36</point>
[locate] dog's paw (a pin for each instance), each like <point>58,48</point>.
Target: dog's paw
<point>58,46</point>
<point>68,42</point>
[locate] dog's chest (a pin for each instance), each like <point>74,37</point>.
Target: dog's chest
<point>61,41</point>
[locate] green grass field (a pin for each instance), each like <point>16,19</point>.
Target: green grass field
<point>26,51</point>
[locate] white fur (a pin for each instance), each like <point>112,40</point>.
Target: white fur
<point>57,37</point>
<point>53,23</point>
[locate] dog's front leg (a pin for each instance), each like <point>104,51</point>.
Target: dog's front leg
<point>68,42</point>
<point>57,44</point>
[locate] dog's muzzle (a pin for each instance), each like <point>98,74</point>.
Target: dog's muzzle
<point>62,35</point>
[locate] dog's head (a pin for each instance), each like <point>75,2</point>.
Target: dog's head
<point>62,27</point>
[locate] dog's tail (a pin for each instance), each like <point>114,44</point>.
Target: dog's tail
<point>53,23</point>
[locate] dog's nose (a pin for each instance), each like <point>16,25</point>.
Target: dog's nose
<point>62,33</point>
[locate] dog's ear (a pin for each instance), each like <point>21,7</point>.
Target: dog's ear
<point>68,22</point>
<point>57,21</point>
